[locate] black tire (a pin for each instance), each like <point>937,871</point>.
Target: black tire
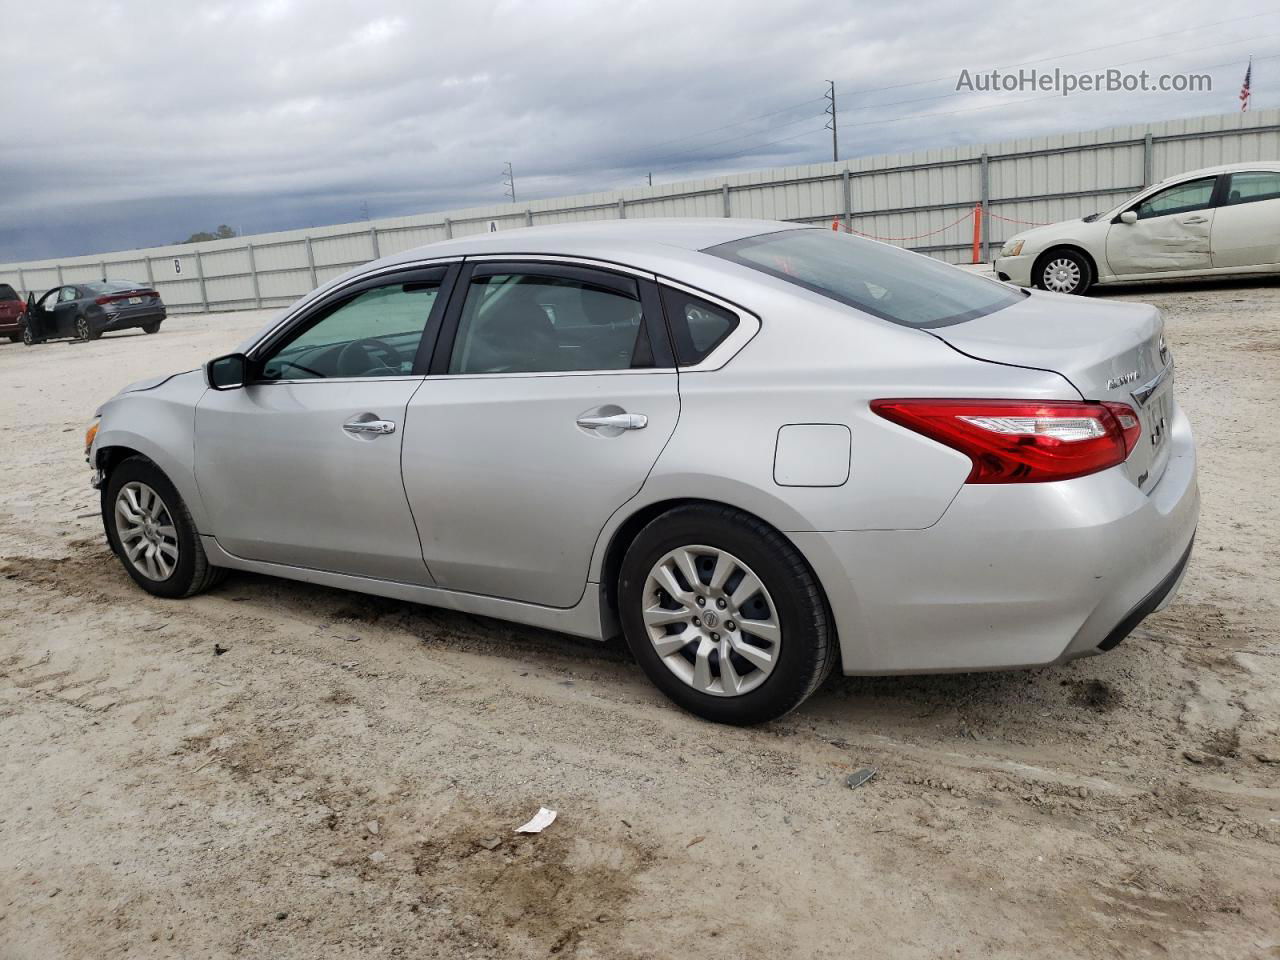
<point>15,337</point>
<point>28,338</point>
<point>807,652</point>
<point>151,327</point>
<point>192,573</point>
<point>1083,278</point>
<point>84,329</point>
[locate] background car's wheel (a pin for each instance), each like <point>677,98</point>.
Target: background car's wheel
<point>84,329</point>
<point>151,327</point>
<point>150,530</point>
<point>15,337</point>
<point>724,615</point>
<point>1063,271</point>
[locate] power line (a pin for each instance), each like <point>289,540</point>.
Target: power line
<point>737,123</point>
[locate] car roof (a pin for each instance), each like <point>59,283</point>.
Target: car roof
<point>1267,165</point>
<point>601,238</point>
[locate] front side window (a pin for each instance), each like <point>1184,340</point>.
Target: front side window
<point>374,334</point>
<point>538,322</point>
<point>1183,198</point>
<point>1253,186</point>
<point>884,281</point>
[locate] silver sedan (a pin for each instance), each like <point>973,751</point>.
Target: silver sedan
<point>755,450</point>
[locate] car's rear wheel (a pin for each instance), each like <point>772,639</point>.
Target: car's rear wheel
<point>724,615</point>
<point>151,327</point>
<point>151,531</point>
<point>1063,271</point>
<point>84,329</point>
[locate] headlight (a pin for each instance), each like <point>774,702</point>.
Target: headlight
<point>1011,249</point>
<point>89,435</point>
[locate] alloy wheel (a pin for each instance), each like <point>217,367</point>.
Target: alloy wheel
<point>146,531</point>
<point>1062,275</point>
<point>82,328</point>
<point>711,621</point>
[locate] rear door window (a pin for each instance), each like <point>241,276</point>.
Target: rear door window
<point>1253,186</point>
<point>884,281</point>
<point>8,293</point>
<point>697,326</point>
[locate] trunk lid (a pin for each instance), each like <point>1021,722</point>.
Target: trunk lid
<point>1108,351</point>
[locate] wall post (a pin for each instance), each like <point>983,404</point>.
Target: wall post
<point>373,239</point>
<point>311,262</point>
<point>204,292</point>
<point>448,229</point>
<point>848,202</point>
<point>724,192</point>
<point>1148,160</point>
<point>985,181</point>
<point>253,275</point>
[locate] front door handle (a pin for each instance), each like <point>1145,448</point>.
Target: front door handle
<point>618,421</point>
<point>1196,220</point>
<point>376,427</point>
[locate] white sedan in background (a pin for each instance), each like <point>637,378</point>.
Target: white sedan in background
<point>1219,221</point>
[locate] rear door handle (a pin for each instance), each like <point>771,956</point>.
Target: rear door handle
<point>376,427</point>
<point>618,421</point>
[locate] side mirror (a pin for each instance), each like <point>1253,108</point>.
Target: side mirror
<point>227,373</point>
<point>1129,216</point>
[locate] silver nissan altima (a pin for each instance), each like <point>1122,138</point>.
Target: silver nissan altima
<point>754,449</point>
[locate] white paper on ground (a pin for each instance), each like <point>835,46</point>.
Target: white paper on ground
<point>541,820</point>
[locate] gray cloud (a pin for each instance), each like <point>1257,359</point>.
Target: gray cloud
<point>136,123</point>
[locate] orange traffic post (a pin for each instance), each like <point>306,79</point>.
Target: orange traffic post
<point>977,230</point>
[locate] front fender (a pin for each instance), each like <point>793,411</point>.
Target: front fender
<point>160,425</point>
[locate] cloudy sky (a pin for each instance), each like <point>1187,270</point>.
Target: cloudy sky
<point>136,123</point>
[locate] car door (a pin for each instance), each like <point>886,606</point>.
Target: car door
<point>1246,227</point>
<point>65,311</point>
<point>301,466</point>
<point>1171,234</point>
<point>552,392</point>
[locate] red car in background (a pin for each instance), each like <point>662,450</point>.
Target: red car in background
<point>12,310</point>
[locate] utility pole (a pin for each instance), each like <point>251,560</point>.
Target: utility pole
<point>831,124</point>
<point>509,180</point>
<point>651,178</point>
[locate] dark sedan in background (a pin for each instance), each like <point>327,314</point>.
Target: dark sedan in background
<point>86,311</point>
<point>12,309</point>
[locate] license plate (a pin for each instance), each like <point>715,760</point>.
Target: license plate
<point>135,299</point>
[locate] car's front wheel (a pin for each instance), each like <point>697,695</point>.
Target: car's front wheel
<point>1063,271</point>
<point>724,615</point>
<point>151,531</point>
<point>28,337</point>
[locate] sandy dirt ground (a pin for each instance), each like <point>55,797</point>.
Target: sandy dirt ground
<point>331,785</point>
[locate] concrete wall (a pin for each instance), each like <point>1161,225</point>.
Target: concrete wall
<point>922,200</point>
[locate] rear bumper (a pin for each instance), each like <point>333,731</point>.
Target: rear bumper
<point>109,321</point>
<point>8,326</point>
<point>1012,575</point>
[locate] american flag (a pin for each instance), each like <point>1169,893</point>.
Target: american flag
<point>1245,92</point>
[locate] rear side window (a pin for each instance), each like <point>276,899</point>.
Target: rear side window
<point>697,326</point>
<point>878,279</point>
<point>1248,187</point>
<point>8,293</point>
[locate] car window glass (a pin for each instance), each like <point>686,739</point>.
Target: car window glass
<point>1182,198</point>
<point>68,294</point>
<point>532,323</point>
<point>1248,187</point>
<point>697,325</point>
<point>884,281</point>
<point>8,293</point>
<point>48,299</point>
<point>375,334</point>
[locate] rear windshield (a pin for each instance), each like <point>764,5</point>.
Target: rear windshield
<point>884,281</point>
<point>112,286</point>
<point>8,293</point>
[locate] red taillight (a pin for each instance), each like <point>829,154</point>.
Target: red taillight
<point>1016,441</point>
<point>117,297</point>
<point>101,300</point>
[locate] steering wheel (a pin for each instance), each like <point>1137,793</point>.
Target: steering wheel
<point>360,357</point>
